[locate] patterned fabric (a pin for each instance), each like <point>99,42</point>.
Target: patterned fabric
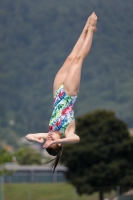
<point>63,112</point>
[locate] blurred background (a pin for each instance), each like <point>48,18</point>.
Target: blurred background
<point>35,39</point>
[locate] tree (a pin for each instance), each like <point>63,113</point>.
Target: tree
<point>28,156</point>
<point>104,157</point>
<point>5,156</point>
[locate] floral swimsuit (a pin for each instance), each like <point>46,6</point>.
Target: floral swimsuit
<point>63,112</point>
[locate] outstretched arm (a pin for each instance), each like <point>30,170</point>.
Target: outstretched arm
<point>37,137</point>
<point>68,140</point>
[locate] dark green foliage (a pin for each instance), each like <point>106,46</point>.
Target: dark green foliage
<point>5,157</point>
<point>28,156</point>
<point>104,157</point>
<point>35,39</point>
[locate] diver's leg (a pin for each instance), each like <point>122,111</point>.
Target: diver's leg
<point>72,80</point>
<point>62,73</point>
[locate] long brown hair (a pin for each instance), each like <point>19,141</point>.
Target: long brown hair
<point>54,150</point>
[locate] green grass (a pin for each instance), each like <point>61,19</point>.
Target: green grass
<point>47,191</point>
<point>55,191</point>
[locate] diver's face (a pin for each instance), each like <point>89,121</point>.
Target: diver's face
<point>54,136</point>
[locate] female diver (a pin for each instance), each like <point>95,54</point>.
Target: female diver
<point>65,89</point>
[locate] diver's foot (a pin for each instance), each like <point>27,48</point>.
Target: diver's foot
<point>92,22</point>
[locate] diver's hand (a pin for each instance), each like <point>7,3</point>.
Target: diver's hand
<point>40,140</point>
<point>48,143</point>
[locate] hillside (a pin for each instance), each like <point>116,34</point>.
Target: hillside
<point>35,39</point>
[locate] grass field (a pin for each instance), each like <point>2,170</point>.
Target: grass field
<point>47,191</point>
<point>55,191</point>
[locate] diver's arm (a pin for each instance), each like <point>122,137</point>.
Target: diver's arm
<point>68,140</point>
<point>37,137</point>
